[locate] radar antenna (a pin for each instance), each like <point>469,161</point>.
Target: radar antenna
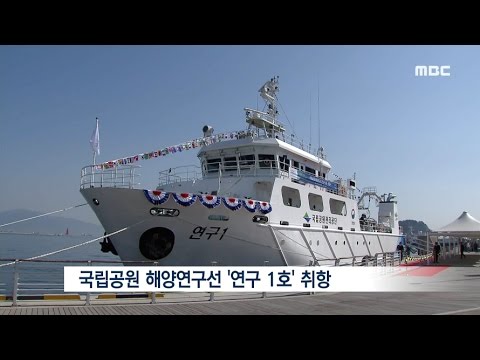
<point>266,120</point>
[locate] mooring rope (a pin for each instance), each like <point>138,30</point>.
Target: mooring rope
<point>74,246</point>
<point>49,213</point>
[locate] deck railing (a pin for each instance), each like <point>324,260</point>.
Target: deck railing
<point>122,176</point>
<point>126,176</point>
<point>179,174</point>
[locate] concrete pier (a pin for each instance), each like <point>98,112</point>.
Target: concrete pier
<point>462,275</point>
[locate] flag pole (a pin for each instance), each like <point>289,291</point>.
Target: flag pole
<point>95,143</point>
<point>93,168</point>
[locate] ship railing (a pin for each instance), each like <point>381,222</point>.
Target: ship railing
<point>302,176</point>
<point>284,136</point>
<point>299,143</point>
<point>121,176</point>
<point>268,167</point>
<point>379,259</point>
<point>375,227</point>
<point>179,174</point>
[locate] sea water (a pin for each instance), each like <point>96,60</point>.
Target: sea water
<point>32,274</point>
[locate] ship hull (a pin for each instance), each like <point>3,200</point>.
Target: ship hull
<point>202,235</point>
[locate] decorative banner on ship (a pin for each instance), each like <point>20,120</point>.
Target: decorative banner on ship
<point>232,203</point>
<point>303,176</point>
<point>265,207</point>
<point>210,201</point>
<point>176,148</point>
<point>156,197</point>
<point>185,199</point>
<point>250,205</point>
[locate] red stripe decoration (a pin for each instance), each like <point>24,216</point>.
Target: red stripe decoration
<point>210,201</point>
<point>250,205</point>
<point>232,203</point>
<point>185,199</point>
<point>265,207</point>
<point>156,197</point>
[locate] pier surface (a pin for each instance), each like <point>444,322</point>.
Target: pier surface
<point>462,275</point>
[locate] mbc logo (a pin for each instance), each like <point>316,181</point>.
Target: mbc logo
<point>432,70</point>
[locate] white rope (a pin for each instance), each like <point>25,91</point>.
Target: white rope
<point>74,246</point>
<point>34,217</point>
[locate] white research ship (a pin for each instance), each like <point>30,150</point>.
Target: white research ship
<point>256,197</point>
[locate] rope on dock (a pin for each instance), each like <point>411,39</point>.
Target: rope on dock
<point>49,213</point>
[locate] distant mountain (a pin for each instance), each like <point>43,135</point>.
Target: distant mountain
<point>413,227</point>
<point>46,225</point>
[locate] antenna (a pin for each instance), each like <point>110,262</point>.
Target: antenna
<point>310,140</point>
<point>318,110</point>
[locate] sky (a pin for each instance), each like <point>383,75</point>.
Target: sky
<point>417,137</point>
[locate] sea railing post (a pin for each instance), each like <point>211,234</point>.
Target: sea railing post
<point>428,258</point>
<point>15,283</point>
<point>154,299</point>
<point>443,252</point>
<point>311,263</point>
<point>212,294</point>
<point>264,294</point>
<point>87,297</point>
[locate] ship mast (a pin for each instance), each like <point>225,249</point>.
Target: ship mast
<point>266,121</point>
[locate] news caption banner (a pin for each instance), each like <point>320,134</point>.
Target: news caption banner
<point>239,279</point>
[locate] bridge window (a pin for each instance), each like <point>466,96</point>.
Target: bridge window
<point>316,202</point>
<point>284,162</point>
<point>213,165</point>
<point>230,163</point>
<point>266,161</point>
<point>247,161</point>
<point>338,207</point>
<point>291,197</point>
<point>310,170</point>
<point>296,164</point>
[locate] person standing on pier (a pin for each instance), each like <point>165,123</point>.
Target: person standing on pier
<point>436,252</point>
<point>462,249</point>
<point>400,248</point>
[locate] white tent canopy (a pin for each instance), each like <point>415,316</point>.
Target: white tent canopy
<point>464,226</point>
